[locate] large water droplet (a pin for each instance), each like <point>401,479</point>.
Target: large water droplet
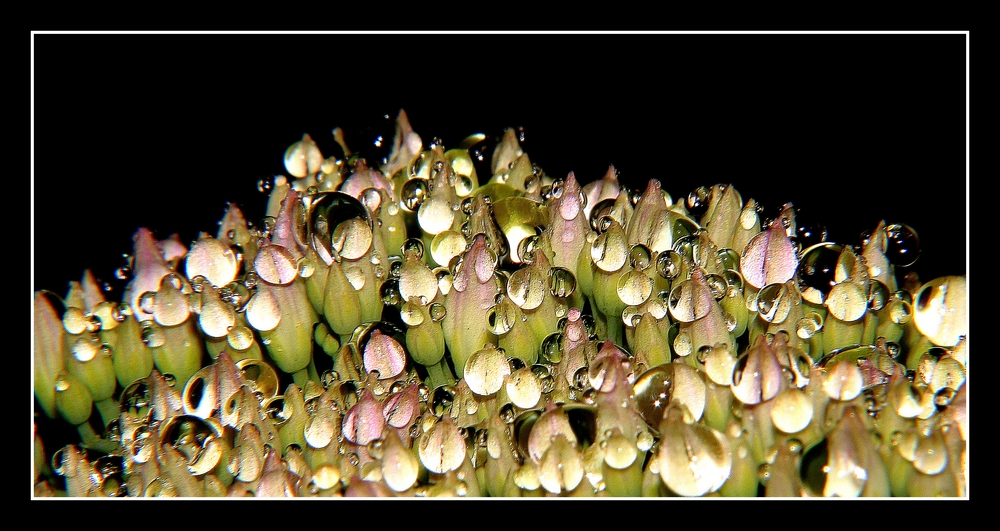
<point>843,381</point>
<point>668,264</point>
<point>551,349</point>
<point>442,448</point>
<point>501,317</point>
<point>792,410</point>
<point>413,194</point>
<point>524,388</point>
<point>847,301</point>
<point>275,265</point>
<point>689,301</point>
<point>693,459</point>
<point>610,250</point>
<point>634,287</point>
<point>527,288</point>
<point>940,310</point>
<point>816,272</point>
<point>562,282</point>
<point>263,312</point>
<point>902,245</point>
<point>329,210</point>
<point>697,201</point>
<point>485,370</point>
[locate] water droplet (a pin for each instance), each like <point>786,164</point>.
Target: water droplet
<point>718,285</point>
<point>682,344</point>
<point>410,313</point>
<point>693,459</point>
<point>817,270</point>
<point>878,295</point>
<point>527,288</point>
<point>306,267</point>
<point>639,257</point>
<point>634,287</point>
<point>940,310</point>
<point>415,246</point>
<point>843,380</point>
<point>263,312</point>
<point>75,320</point>
<point>152,335</point>
<point>774,303</point>
<point>147,302</point>
<point>389,292</point>
<point>610,250</point>
<point>698,200</point>
<point>689,301</point>
<point>275,265</point>
<point>900,311</point>
<point>562,282</point>
<point>792,410</point>
<point>847,302</point>
<point>551,350</point>
<point>902,245</point>
<point>240,337</point>
<point>86,348</point>
<point>485,371</point>
<point>668,264</point>
<point>808,326</point>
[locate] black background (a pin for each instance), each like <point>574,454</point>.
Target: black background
<point>163,130</point>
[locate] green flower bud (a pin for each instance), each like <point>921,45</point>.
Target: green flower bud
<point>72,399</point>
<point>49,353</point>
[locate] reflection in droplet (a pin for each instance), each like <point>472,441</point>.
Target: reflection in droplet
<point>878,295</point>
<point>808,326</point>
<point>792,410</point>
<point>524,388</point>
<point>900,311</point>
<point>551,349</point>
<point>485,370</point>
<point>562,282</point>
<point>847,302</point>
<point>843,380</point>
<point>501,317</point>
<point>634,287</point>
<point>527,288</point>
<point>639,257</point>
<point>413,194</point>
<point>668,264</point>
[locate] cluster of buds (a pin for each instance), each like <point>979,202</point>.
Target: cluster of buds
<point>412,331</point>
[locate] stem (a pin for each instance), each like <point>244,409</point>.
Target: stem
<point>91,440</point>
<point>313,372</point>
<point>301,377</point>
<point>109,410</point>
<point>440,374</point>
